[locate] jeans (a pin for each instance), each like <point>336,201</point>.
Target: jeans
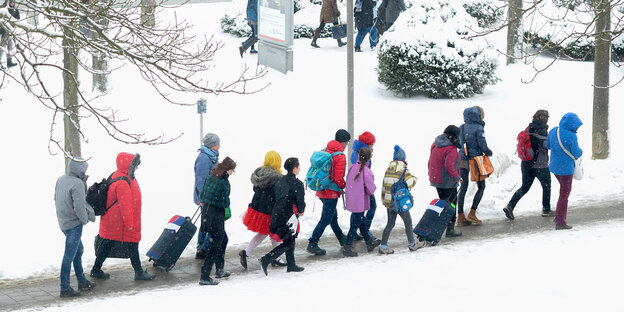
<point>73,254</point>
<point>528,176</point>
<point>372,36</point>
<point>203,241</point>
<point>370,214</point>
<point>357,222</point>
<point>329,216</point>
<point>565,187</point>
<point>465,175</point>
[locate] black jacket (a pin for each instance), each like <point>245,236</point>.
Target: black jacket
<point>289,191</point>
<point>263,180</point>
<point>364,19</point>
<point>538,132</point>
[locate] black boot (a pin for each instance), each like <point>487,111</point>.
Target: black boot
<point>317,33</point>
<point>246,45</point>
<point>372,243</point>
<point>221,273</point>
<point>451,232</point>
<point>348,251</point>
<point>313,248</point>
<point>340,43</point>
<point>143,276</point>
<point>508,210</point>
<point>99,274</point>
<point>264,264</point>
<point>69,292</point>
<point>206,280</point>
<point>243,258</point>
<point>294,268</point>
<point>10,62</point>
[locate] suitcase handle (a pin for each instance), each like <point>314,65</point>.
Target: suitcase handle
<point>198,215</point>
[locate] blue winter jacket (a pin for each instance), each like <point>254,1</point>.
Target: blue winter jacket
<point>473,135</point>
<point>560,162</point>
<point>357,146</point>
<point>252,11</point>
<point>205,162</point>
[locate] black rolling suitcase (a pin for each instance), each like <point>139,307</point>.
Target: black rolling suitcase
<point>434,221</point>
<point>172,242</point>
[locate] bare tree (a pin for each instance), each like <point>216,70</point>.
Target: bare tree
<point>167,57</point>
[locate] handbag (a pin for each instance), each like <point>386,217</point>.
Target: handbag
<point>480,168</point>
<point>578,163</point>
<point>339,31</point>
<point>118,249</point>
<point>228,213</point>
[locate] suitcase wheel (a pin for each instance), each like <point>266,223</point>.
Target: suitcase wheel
<point>167,269</point>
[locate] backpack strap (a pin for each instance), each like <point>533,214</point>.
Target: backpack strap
<point>463,133</point>
<point>113,181</point>
<point>403,175</point>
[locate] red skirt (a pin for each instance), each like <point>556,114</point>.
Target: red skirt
<point>257,221</point>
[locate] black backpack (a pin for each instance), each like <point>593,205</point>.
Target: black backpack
<point>98,192</point>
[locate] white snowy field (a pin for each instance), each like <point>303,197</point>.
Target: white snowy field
<point>296,114</point>
<point>576,270</point>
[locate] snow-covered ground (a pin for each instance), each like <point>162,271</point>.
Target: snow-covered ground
<point>577,270</point>
<point>295,115</point>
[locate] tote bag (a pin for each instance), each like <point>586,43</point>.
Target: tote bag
<point>480,168</point>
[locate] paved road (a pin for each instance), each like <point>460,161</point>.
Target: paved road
<point>43,291</point>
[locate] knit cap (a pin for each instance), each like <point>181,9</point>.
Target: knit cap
<point>399,153</point>
<point>342,136</point>
<point>367,138</point>
<point>211,140</point>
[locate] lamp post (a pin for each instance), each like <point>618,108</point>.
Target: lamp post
<point>201,110</point>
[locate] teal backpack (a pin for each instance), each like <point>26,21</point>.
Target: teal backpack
<point>318,177</point>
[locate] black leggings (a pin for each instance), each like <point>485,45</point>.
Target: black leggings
<point>287,246</point>
<point>218,243</point>
<point>449,195</point>
<point>528,176</point>
<point>465,175</point>
<point>104,249</point>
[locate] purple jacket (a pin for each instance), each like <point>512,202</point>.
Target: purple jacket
<point>358,192</point>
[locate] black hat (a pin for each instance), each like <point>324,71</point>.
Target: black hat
<point>452,130</point>
<point>291,163</point>
<point>342,136</point>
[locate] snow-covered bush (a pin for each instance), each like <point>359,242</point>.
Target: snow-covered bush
<point>429,53</point>
<point>486,13</point>
<point>235,25</point>
<point>561,28</point>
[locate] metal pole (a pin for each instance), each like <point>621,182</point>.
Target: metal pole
<point>201,129</point>
<point>350,85</point>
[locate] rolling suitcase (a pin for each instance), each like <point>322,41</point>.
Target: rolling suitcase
<point>172,242</point>
<point>434,221</point>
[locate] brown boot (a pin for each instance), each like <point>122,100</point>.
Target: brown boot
<point>317,33</point>
<point>472,217</point>
<point>461,220</point>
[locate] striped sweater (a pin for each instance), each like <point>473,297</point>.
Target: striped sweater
<point>392,175</point>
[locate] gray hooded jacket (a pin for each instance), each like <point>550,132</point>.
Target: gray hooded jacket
<point>72,209</point>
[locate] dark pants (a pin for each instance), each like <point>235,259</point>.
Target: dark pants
<point>451,196</point>
<point>565,187</point>
<point>465,175</point>
<point>407,220</point>
<point>329,216</point>
<point>253,38</point>
<point>370,215</point>
<point>218,243</point>
<point>287,246</point>
<point>528,176</point>
<point>73,254</point>
<point>105,247</point>
<point>357,222</point>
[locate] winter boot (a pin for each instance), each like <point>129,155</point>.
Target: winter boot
<point>221,273</point>
<point>314,249</point>
<point>472,217</point>
<point>143,276</point>
<point>461,220</point>
<point>69,292</point>
<point>264,264</point>
<point>417,245</point>
<point>563,227</point>
<point>372,243</point>
<point>508,210</point>
<point>358,49</point>
<point>294,268</point>
<point>243,258</point>
<point>348,251</point>
<point>208,281</point>
<point>88,285</point>
<point>99,274</point>
<point>340,43</point>
<point>317,33</point>
<point>200,254</point>
<point>451,232</point>
<point>278,263</point>
<point>10,62</point>
<point>343,240</point>
<point>385,251</point>
<point>547,212</point>
<point>248,43</point>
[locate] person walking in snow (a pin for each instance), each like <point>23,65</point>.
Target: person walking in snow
<point>258,216</point>
<point>360,185</point>
<point>73,212</point>
<point>367,140</point>
<point>561,139</point>
<point>206,160</point>
<point>329,14</point>
<point>387,14</point>
<point>329,197</point>
<point>6,38</point>
<point>365,24</point>
<point>215,201</point>
<point>472,135</point>
<point>289,202</point>
<point>444,170</point>
<point>396,167</point>
<point>122,221</point>
<point>535,168</point>
<point>252,21</point>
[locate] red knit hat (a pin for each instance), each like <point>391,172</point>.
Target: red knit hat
<point>367,138</point>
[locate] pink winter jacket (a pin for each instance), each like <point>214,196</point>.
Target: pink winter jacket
<point>358,192</point>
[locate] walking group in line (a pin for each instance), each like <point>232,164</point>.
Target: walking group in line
<point>278,199</point>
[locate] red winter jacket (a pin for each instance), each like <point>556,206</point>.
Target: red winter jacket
<point>122,222</point>
<point>339,167</point>
<point>443,164</point>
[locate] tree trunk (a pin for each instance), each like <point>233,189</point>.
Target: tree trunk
<point>514,31</point>
<point>101,76</point>
<point>70,100</point>
<point>600,124</point>
<point>148,8</point>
